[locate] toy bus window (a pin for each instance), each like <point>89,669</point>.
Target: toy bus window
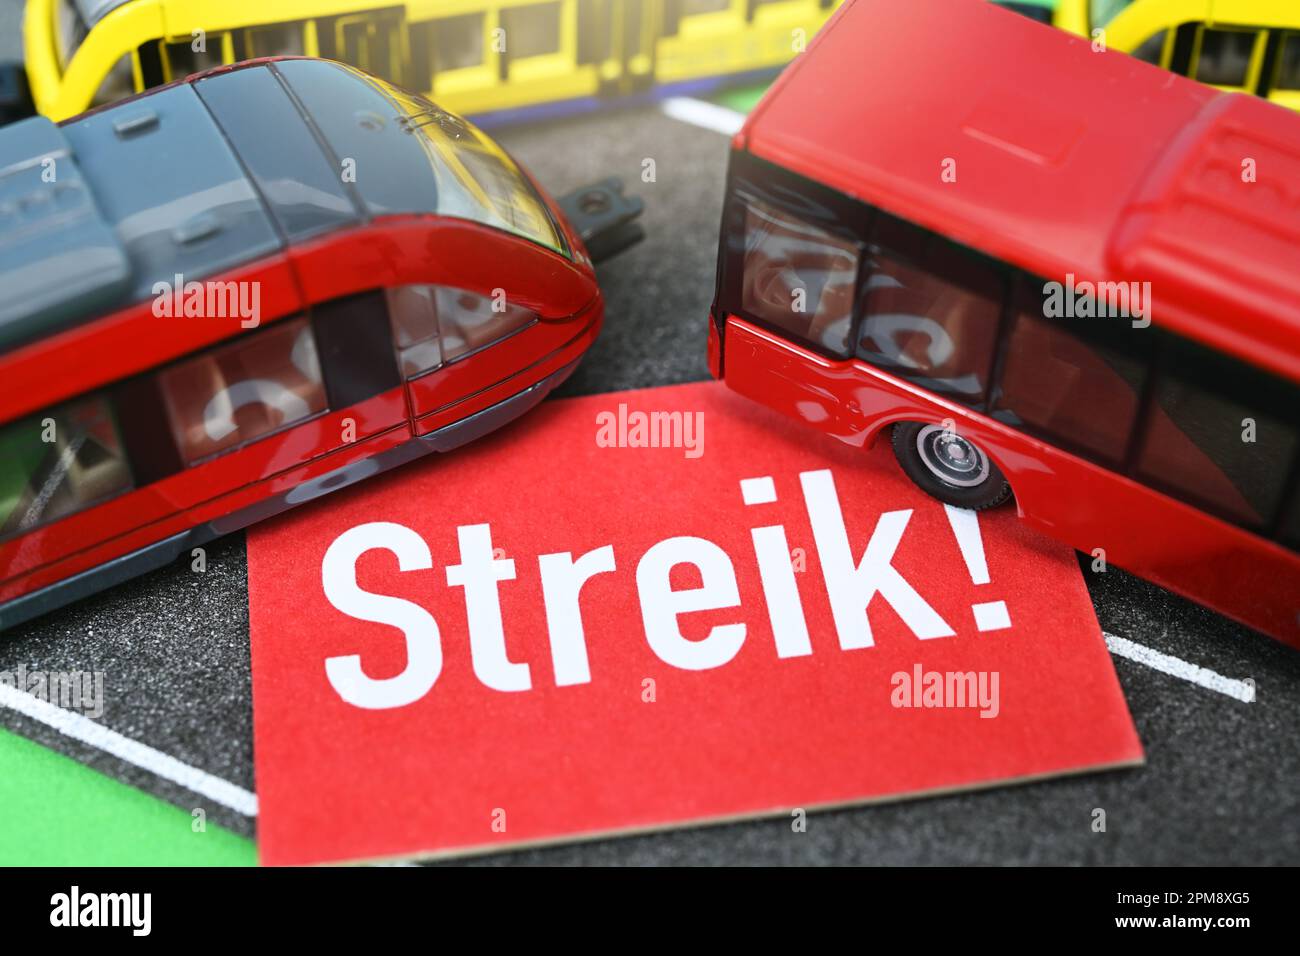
<point>58,462</point>
<point>468,322</point>
<point>283,39</point>
<point>532,30</point>
<point>1213,435</point>
<point>244,391</point>
<point>117,85</point>
<point>1225,56</point>
<point>413,313</point>
<point>799,277</point>
<point>935,324</point>
<point>1290,534</point>
<point>1076,381</point>
<point>1288,71</point>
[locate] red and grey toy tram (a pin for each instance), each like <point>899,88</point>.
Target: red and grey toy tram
<point>239,292</point>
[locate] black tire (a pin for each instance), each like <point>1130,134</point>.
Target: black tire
<point>15,98</point>
<point>919,448</point>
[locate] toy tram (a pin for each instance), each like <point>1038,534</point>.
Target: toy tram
<point>1248,46</point>
<point>490,58</point>
<point>244,290</point>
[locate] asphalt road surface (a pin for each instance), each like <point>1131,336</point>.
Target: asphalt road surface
<point>1219,786</point>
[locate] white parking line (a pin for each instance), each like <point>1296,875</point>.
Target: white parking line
<point>702,114</point>
<point>243,801</point>
<point>97,735</point>
<point>1176,667</point>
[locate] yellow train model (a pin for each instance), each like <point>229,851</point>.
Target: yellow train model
<point>506,57</point>
<point>1251,46</point>
<point>472,56</point>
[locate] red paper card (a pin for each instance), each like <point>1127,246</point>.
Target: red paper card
<point>788,623</point>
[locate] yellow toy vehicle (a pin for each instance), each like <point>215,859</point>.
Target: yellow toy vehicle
<point>1252,46</point>
<point>471,56</point>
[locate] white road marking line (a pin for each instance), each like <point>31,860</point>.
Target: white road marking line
<point>243,801</point>
<point>82,728</point>
<point>1176,667</point>
<point>703,114</point>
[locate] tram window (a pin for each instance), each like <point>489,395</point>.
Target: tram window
<point>146,432</point>
<point>1152,50</point>
<point>413,313</point>
<point>934,323</point>
<point>692,8</point>
<point>58,462</point>
<point>468,322</point>
<point>194,56</point>
<point>799,277</point>
<point>355,348</point>
<point>436,324</point>
<point>1225,57</point>
<point>1215,435</point>
<point>1101,12</point>
<point>118,84</point>
<point>394,171</point>
<point>243,391</point>
<point>457,42</point>
<point>596,36</point>
<point>1288,73</point>
<point>371,41</point>
<point>532,30</point>
<point>303,190</point>
<point>1075,381</point>
<point>283,39</point>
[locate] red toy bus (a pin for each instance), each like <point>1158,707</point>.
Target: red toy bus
<point>236,293</point>
<point>951,223</point>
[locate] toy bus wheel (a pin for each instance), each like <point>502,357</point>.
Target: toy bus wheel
<point>949,467</point>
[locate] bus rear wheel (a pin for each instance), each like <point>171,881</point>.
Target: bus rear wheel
<point>949,467</point>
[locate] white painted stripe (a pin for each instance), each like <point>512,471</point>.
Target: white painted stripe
<point>82,728</point>
<point>705,115</point>
<point>1176,667</point>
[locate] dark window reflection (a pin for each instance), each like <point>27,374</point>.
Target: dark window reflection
<point>1199,435</point>
<point>1076,381</point>
<point>934,323</point>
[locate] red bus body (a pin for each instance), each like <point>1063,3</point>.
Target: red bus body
<point>1024,145</point>
<point>158,521</point>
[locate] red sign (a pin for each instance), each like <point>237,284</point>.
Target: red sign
<point>650,609</point>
